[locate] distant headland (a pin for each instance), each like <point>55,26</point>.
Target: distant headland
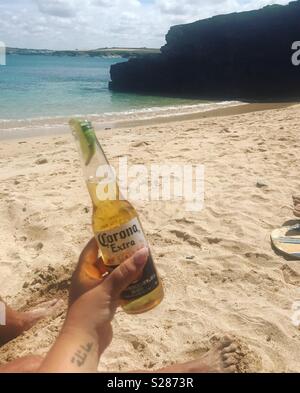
<point>101,52</point>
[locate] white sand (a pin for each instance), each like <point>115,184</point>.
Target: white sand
<point>235,283</point>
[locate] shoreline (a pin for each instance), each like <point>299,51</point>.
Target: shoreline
<point>220,112</point>
<point>58,126</point>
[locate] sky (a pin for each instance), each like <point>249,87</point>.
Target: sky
<point>91,24</point>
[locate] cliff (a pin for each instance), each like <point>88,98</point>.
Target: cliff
<point>236,56</point>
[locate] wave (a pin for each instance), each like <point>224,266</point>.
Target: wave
<point>169,111</point>
<point>114,117</point>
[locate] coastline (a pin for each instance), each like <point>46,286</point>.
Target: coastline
<point>27,128</point>
<point>219,271</point>
<point>220,112</point>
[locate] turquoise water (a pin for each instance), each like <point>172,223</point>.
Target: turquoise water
<point>47,86</point>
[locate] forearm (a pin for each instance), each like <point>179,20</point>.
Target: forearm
<point>75,351</point>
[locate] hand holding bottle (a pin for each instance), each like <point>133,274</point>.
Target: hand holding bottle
<point>99,298</point>
<point>87,331</point>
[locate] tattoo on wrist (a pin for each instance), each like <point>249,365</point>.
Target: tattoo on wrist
<point>80,356</point>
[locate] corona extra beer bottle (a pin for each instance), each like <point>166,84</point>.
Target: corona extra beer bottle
<point>116,224</point>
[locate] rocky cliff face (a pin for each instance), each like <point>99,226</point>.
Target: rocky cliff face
<point>237,56</point>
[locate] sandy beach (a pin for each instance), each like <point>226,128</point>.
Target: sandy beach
<point>218,268</point>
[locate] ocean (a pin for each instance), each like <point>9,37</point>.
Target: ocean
<point>37,87</point>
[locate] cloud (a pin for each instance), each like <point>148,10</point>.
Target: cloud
<point>103,3</point>
<point>83,24</point>
<point>190,10</point>
<point>174,7</point>
<point>59,8</point>
<point>116,3</point>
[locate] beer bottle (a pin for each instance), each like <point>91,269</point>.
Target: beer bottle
<point>116,224</point>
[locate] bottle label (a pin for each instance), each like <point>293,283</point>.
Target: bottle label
<point>120,244</point>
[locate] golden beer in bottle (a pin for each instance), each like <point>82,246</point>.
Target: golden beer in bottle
<point>116,224</point>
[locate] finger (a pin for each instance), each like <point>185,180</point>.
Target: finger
<point>87,265</point>
<point>126,273</point>
<point>90,266</point>
<point>89,254</point>
<point>88,272</point>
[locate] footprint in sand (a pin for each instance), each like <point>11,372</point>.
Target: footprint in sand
<point>213,240</point>
<point>214,213</point>
<point>186,237</point>
<point>260,258</point>
<point>290,275</point>
<point>41,161</point>
<point>259,198</point>
<point>184,221</point>
<point>138,346</point>
<point>140,144</point>
<point>49,280</point>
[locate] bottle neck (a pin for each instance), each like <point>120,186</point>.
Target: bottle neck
<point>98,169</point>
<point>99,175</point>
<point>96,165</point>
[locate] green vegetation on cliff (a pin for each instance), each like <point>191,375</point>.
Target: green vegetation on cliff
<point>101,52</point>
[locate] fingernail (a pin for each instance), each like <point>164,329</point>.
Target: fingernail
<point>141,256</point>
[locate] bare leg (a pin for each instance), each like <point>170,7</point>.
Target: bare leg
<point>18,322</point>
<point>223,358</point>
<point>27,364</point>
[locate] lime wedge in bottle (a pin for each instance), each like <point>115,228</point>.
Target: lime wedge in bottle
<point>86,137</point>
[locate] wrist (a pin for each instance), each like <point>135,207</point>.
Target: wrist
<point>75,350</point>
<point>79,331</point>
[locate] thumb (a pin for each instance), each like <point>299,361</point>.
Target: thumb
<point>126,273</point>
